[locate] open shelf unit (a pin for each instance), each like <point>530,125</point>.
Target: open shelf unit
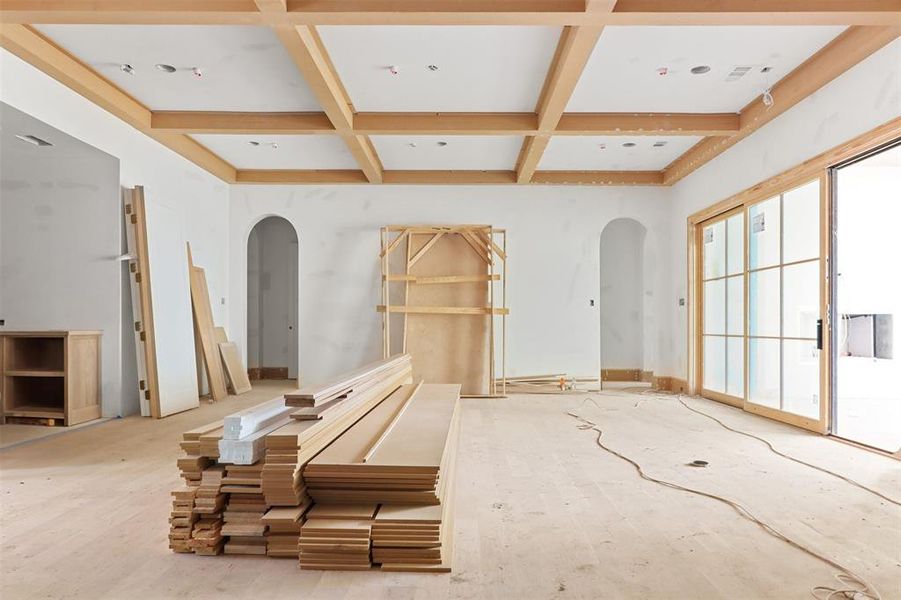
<point>50,375</point>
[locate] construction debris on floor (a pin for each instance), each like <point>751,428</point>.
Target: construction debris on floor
<point>353,474</point>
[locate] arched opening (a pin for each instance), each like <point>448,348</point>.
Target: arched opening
<point>272,262</point>
<point>627,311</point>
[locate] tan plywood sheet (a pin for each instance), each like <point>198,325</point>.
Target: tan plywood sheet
<point>448,348</point>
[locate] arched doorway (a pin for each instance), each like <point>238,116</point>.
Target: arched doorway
<point>272,261</point>
<point>626,303</point>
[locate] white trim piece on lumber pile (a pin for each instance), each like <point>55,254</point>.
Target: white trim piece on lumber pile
<point>249,449</point>
<point>251,420</point>
<point>315,395</point>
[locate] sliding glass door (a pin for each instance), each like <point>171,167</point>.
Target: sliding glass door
<point>762,284</point>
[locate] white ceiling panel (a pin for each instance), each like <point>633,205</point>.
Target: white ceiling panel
<point>466,152</point>
<point>608,153</point>
<point>623,75</point>
<point>479,68</point>
<point>243,68</point>
<point>292,151</point>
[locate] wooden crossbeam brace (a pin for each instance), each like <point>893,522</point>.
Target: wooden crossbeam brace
<point>395,243</point>
<point>425,248</point>
<point>444,310</point>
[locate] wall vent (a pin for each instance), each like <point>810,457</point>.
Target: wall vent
<point>737,73</point>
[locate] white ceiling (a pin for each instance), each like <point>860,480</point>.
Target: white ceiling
<point>293,152</point>
<point>467,152</point>
<point>580,153</point>
<point>621,75</point>
<point>244,68</point>
<point>480,68</point>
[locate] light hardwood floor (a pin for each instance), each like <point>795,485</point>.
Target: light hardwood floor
<point>542,512</point>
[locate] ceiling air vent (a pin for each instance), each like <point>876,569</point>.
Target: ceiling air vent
<point>737,73</point>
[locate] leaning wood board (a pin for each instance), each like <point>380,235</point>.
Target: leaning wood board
<point>234,368</point>
<point>203,320</point>
<point>448,348</point>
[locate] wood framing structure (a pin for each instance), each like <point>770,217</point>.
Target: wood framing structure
<point>447,284</point>
<point>814,170</point>
<point>872,25</point>
<point>142,301</point>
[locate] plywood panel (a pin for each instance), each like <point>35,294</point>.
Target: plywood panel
<point>448,348</point>
<point>203,318</point>
<point>234,368</point>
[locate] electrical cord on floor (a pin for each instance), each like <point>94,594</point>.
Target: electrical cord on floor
<point>777,452</point>
<point>846,577</point>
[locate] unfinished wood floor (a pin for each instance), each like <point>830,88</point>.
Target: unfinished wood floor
<point>542,512</point>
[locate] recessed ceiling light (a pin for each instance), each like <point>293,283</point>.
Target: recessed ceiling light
<point>253,143</point>
<point>766,69</point>
<point>433,67</point>
<point>442,144</point>
<point>700,70</point>
<point>165,68</point>
<point>412,144</point>
<point>33,140</point>
<point>602,146</point>
<point>127,68</point>
<point>659,144</point>
<point>629,145</point>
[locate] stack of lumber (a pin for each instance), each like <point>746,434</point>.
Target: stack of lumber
<point>284,524</point>
<point>192,464</point>
<point>209,502</point>
<point>242,519</point>
<point>396,454</point>
<point>290,448</point>
<point>410,535</point>
<point>337,537</point>
<point>181,519</point>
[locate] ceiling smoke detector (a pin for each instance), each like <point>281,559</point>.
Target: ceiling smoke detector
<point>700,70</point>
<point>165,68</point>
<point>393,70</point>
<point>197,72</point>
<point>662,71</point>
<point>127,68</point>
<point>33,140</point>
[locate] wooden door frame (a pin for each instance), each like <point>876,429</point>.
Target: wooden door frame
<point>817,167</point>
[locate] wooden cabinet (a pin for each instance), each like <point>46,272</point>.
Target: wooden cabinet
<point>50,375</point>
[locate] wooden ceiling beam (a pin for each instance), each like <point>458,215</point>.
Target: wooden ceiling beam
<point>422,123</point>
<point>387,123</point>
<point>715,124</point>
<point>573,52</point>
<point>598,177</point>
<point>296,123</point>
<point>40,52</point>
<point>848,49</point>
<point>454,12</point>
<point>426,177</point>
<point>308,52</point>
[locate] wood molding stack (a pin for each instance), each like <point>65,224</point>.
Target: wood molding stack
<point>225,505</point>
<point>337,537</point>
<point>242,519</point>
<point>205,329</point>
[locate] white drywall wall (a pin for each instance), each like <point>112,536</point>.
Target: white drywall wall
<point>553,245</point>
<point>199,198</point>
<point>60,240</point>
<point>863,98</point>
<point>272,295</point>
<point>621,302</point>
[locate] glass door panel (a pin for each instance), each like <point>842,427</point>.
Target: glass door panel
<point>722,297</point>
<point>784,291</point>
